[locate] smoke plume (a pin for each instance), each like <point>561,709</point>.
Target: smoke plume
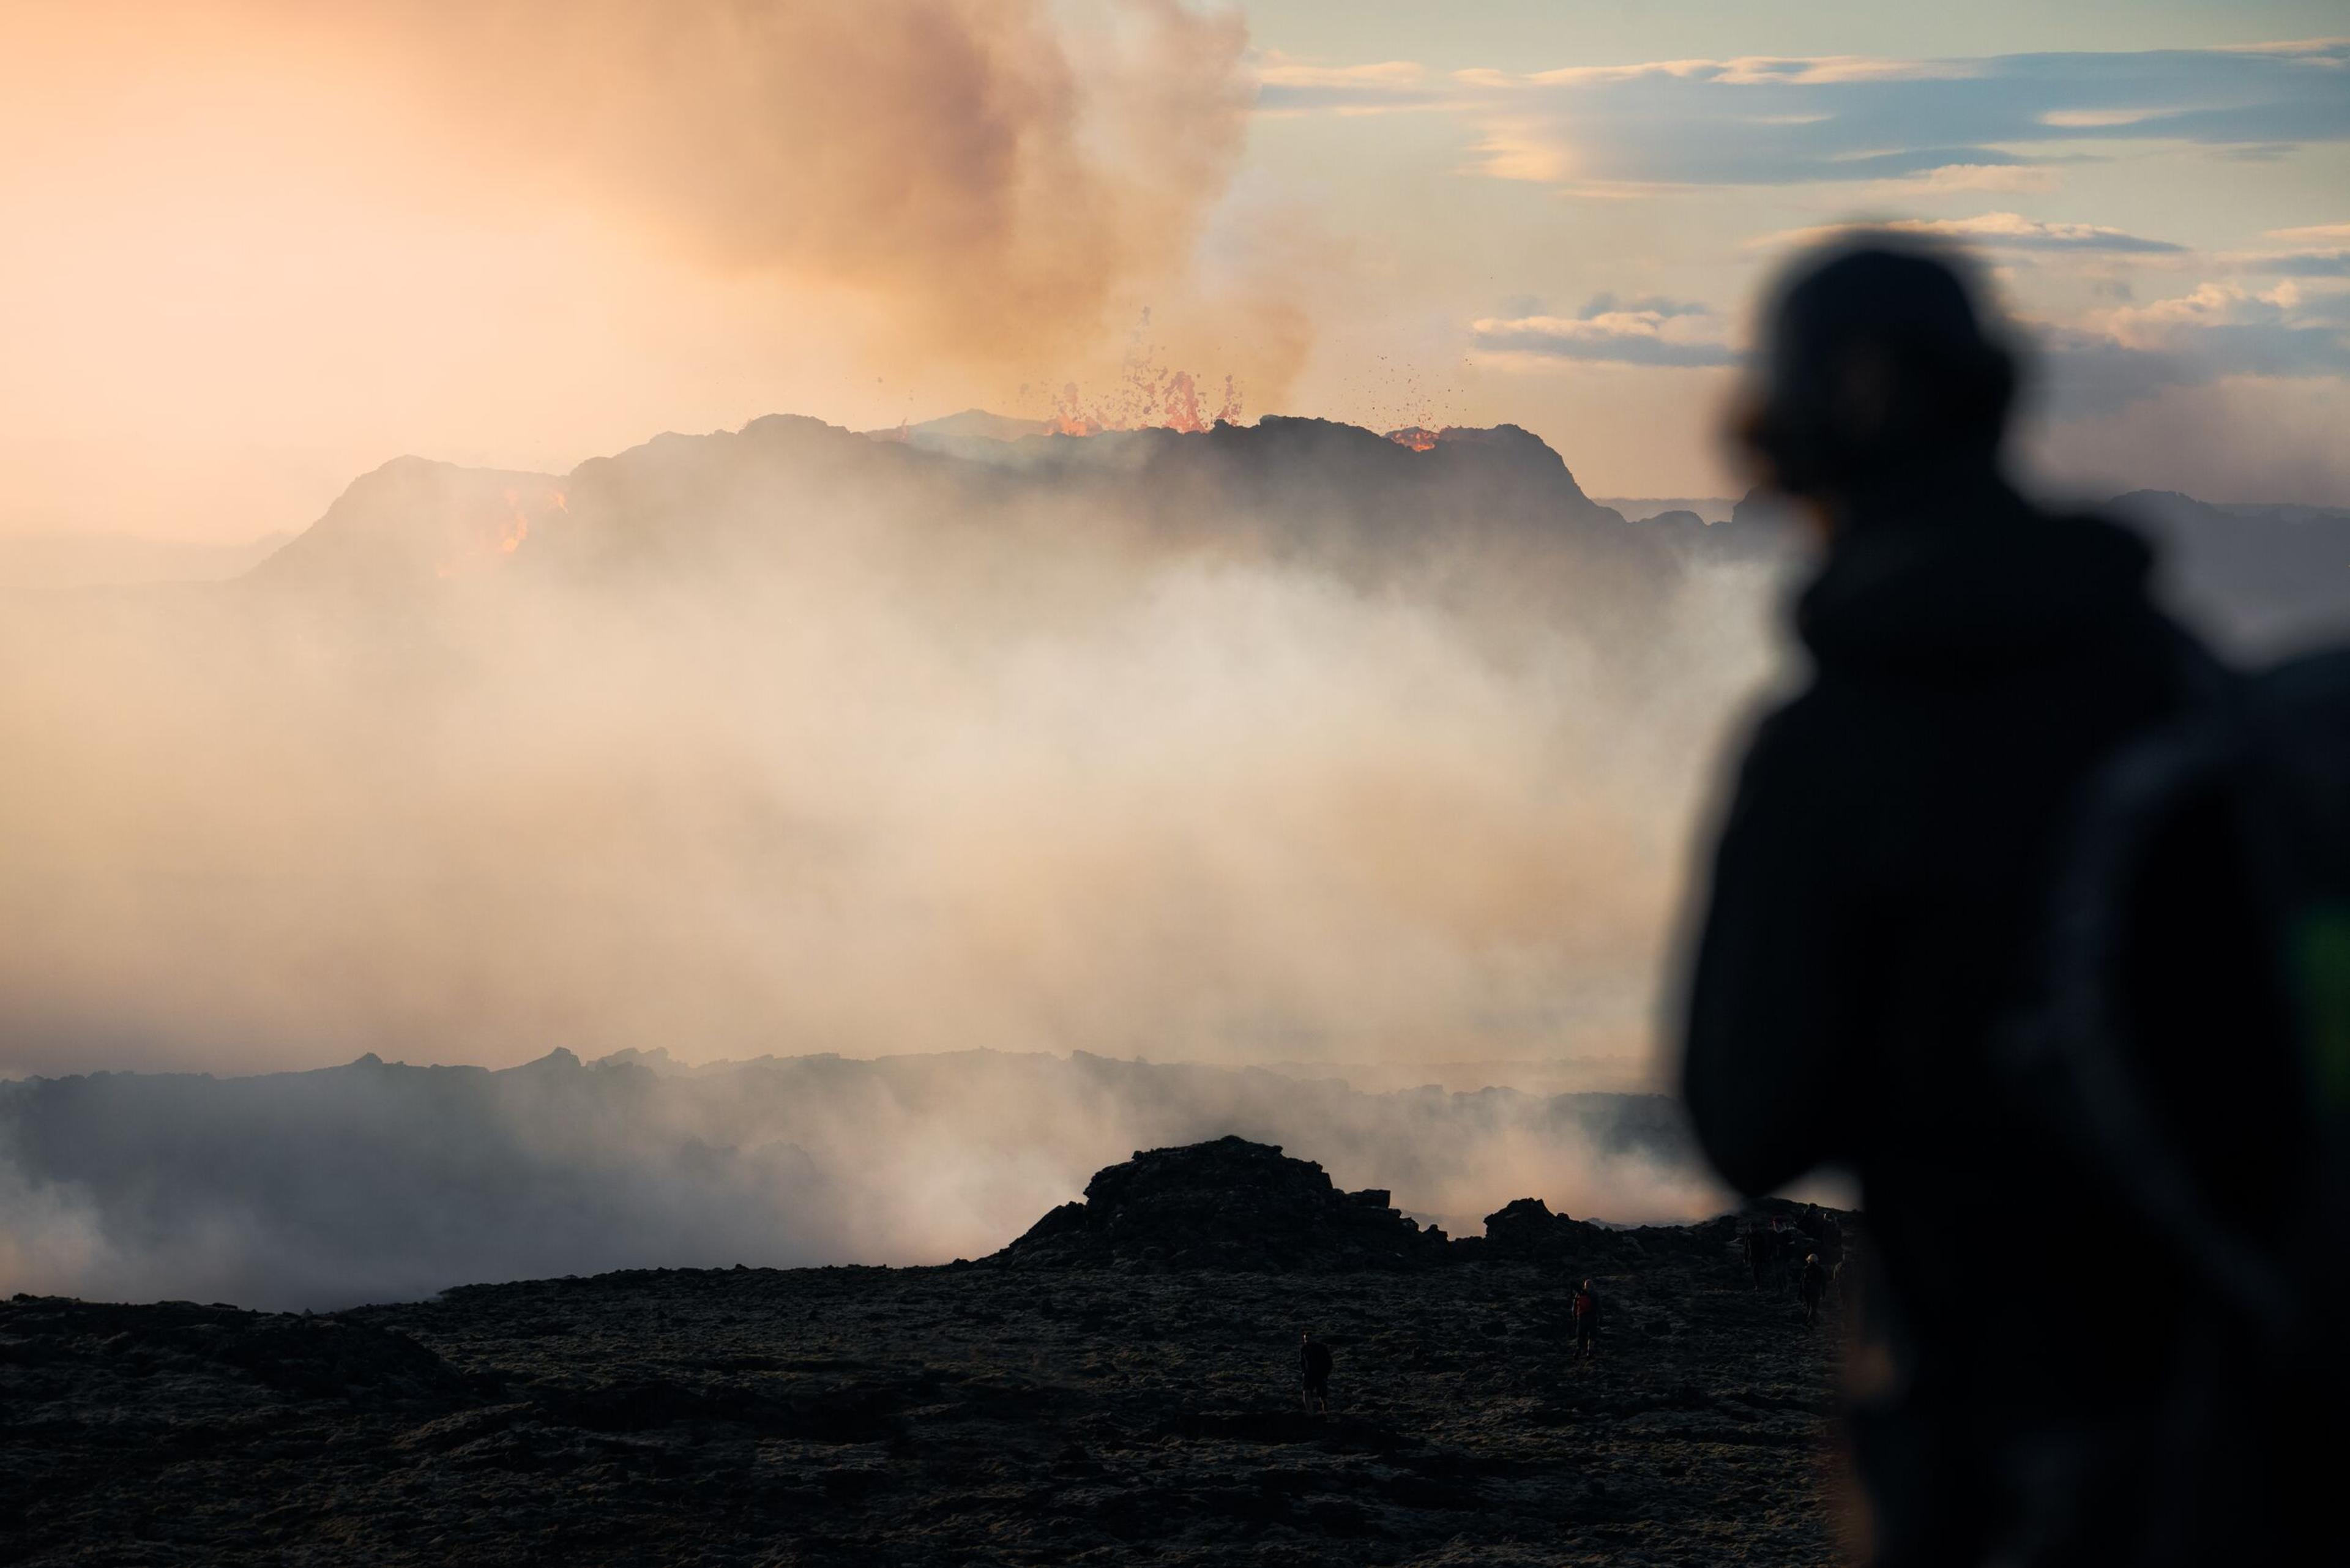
<point>764,744</point>
<point>1003,176</point>
<point>1277,744</point>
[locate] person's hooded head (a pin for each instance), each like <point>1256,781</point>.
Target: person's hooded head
<point>1876,365</point>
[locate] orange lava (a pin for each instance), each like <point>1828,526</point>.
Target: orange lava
<point>1149,395</point>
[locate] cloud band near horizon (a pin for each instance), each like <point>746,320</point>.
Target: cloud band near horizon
<point>1784,121</point>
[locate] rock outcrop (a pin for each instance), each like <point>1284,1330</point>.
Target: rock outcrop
<point>1228,1204</point>
<point>1247,1207</point>
<point>1525,1231</point>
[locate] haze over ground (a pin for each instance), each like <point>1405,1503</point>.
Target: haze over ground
<point>1267,742</point>
<point>1288,745</point>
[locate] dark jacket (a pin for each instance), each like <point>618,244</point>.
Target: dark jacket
<point>1874,913</point>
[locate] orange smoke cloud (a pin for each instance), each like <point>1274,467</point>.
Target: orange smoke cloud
<point>1000,173</point>
<point>517,231</point>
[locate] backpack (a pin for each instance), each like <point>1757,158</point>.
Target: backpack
<point>2260,765</point>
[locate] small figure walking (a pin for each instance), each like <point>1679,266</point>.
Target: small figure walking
<point>1587,1320</point>
<point>1815,1287</point>
<point>1314,1365</point>
<point>1757,1243</point>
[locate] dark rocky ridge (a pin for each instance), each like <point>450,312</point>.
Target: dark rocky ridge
<point>997,1413</point>
<point>1247,1207</point>
<point>1497,503</point>
<point>1228,1204</point>
<point>1486,522</point>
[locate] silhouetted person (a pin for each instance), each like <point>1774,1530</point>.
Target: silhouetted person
<point>1815,1287</point>
<point>1587,1320</point>
<point>1874,897</point>
<point>1314,1369</point>
<point>1756,1244</point>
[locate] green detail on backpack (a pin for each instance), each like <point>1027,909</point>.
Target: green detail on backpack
<point>2321,969</point>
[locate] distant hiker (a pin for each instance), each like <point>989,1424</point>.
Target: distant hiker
<point>1816,1286</point>
<point>1314,1367</point>
<point>1756,1244</point>
<point>1587,1320</point>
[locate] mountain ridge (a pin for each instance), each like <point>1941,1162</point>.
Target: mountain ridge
<point>1343,496</point>
<point>1275,462</point>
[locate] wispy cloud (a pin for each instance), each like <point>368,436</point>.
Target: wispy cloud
<point>1780,121</point>
<point>1998,230</point>
<point>1655,304</point>
<point>1289,87</point>
<point>1280,71</point>
<point>2311,264</point>
<point>1953,179</point>
<point>2314,251</point>
<point>2131,352</point>
<point>1650,331</point>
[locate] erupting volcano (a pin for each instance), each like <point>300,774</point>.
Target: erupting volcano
<point>1148,395</point>
<point>1146,400</point>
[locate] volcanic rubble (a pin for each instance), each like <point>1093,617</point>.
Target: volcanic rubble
<point>1118,1384</point>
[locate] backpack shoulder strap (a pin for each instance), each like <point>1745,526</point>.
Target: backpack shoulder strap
<point>2065,1057</point>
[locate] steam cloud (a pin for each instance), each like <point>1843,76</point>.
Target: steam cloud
<point>875,775</point>
<point>790,741</point>
<point>374,1181</point>
<point>1005,175</point>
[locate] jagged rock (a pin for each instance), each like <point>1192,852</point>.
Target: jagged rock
<point>1228,1204</point>
<point>1233,1204</point>
<point>1526,1229</point>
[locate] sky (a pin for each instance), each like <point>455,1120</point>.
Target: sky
<point>256,248</point>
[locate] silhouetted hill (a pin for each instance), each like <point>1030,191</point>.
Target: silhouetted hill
<point>1227,1204</point>
<point>2259,579</point>
<point>413,522</point>
<point>975,432</point>
<point>1308,492</point>
<point>1329,496</point>
<point>1472,512</point>
<point>1640,508</point>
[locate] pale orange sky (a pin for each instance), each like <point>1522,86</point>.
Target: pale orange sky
<point>255,248</point>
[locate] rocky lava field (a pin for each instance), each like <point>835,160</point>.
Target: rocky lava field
<point>1117,1386</point>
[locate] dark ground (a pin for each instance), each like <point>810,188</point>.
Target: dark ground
<point>993,1413</point>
